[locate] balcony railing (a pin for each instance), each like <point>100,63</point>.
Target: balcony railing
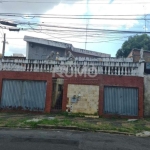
<point>74,67</point>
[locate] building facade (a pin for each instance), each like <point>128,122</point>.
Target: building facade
<point>135,54</point>
<point>102,88</point>
<point>39,49</point>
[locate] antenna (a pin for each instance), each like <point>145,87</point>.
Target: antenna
<point>87,22</point>
<point>145,24</point>
<point>145,21</point>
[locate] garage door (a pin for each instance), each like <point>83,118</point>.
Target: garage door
<point>121,101</point>
<point>26,95</point>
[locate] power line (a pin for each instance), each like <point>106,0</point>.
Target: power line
<point>73,31</point>
<point>80,18</point>
<point>34,14</point>
<point>72,40</point>
<point>47,24</point>
<point>60,16</point>
<point>90,29</point>
<point>77,2</point>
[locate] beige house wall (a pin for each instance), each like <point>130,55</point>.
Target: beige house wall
<point>88,98</point>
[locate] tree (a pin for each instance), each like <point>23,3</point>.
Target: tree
<point>137,41</point>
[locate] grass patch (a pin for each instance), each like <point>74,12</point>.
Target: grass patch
<point>14,122</point>
<point>66,114</point>
<point>67,122</point>
<point>130,127</point>
<point>76,120</point>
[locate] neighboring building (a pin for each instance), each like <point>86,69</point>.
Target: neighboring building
<point>38,48</point>
<point>17,55</point>
<point>135,54</point>
<point>14,57</point>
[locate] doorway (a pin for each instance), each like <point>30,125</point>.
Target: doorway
<point>57,94</point>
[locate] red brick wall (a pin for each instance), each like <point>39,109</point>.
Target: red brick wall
<point>106,80</point>
<point>100,80</point>
<point>30,76</point>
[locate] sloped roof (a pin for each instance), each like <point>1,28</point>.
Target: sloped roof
<point>136,49</point>
<point>63,45</point>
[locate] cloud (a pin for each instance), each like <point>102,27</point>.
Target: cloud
<point>111,1</point>
<point>16,49</point>
<point>94,9</point>
<point>66,9</point>
<point>22,7</point>
<point>111,7</point>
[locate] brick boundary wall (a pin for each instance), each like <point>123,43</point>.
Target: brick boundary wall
<point>107,80</point>
<point>31,76</point>
<point>99,80</point>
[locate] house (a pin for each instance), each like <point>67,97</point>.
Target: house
<point>15,56</point>
<point>115,89</point>
<point>110,87</point>
<point>39,49</point>
<point>135,54</point>
<point>18,55</point>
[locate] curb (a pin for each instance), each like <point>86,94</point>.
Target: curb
<point>81,129</point>
<point>116,132</point>
<point>41,126</point>
<point>62,127</point>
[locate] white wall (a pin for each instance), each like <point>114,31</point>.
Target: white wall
<point>147,95</point>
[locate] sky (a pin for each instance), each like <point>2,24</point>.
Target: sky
<point>82,23</point>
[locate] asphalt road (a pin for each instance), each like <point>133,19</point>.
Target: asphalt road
<point>18,139</point>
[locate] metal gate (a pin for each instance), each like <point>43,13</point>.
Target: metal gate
<point>121,101</point>
<point>26,95</point>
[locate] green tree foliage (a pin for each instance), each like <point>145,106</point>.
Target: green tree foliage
<point>137,41</point>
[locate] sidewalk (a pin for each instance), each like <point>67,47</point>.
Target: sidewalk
<point>65,121</point>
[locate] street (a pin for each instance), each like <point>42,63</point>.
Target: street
<point>27,139</point>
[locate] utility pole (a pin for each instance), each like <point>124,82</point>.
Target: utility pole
<point>4,42</point>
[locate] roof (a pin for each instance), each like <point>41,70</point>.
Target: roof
<point>14,57</point>
<point>18,55</point>
<point>136,49</point>
<point>64,46</point>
